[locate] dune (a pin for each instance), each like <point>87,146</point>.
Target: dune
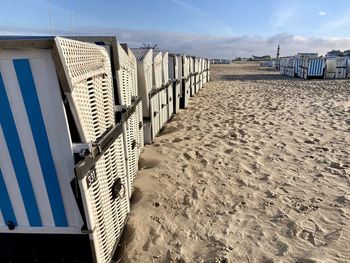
<point>257,169</point>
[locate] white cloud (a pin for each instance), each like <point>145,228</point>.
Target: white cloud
<point>181,3</point>
<point>205,45</point>
<point>220,25</point>
<point>283,13</point>
<point>281,17</point>
<point>322,13</point>
<point>341,21</point>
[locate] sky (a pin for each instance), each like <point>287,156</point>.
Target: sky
<point>214,29</point>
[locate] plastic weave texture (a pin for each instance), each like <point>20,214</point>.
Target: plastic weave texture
<point>185,94</point>
<point>155,117</point>
<point>201,70</point>
<point>330,68</point>
<point>133,68</point>
<point>163,102</point>
<point>185,66</point>
<point>170,99</point>
<point>177,97</point>
<point>165,67</point>
<point>92,104</point>
<point>127,76</point>
<point>208,72</point>
<point>205,72</point>
<point>180,74</point>
<point>124,77</point>
<point>140,126</point>
<point>144,58</point>
<point>174,73</point>
<point>157,69</point>
<point>131,146</point>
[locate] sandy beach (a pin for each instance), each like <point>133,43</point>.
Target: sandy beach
<point>257,169</point>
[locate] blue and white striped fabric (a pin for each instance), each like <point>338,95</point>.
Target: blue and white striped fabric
<point>36,161</point>
<point>316,67</point>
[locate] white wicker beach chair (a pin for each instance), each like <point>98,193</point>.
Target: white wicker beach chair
<point>62,155</point>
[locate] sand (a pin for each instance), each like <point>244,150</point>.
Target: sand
<point>257,169</point>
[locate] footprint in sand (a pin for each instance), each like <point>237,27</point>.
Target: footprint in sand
<point>204,162</point>
<point>292,229</point>
<point>343,199</point>
<point>198,154</point>
<point>188,200</point>
<point>266,260</point>
<point>180,126</point>
<point>282,248</point>
<point>270,194</point>
<point>148,163</point>
<point>228,151</point>
<point>308,232</point>
<point>195,194</point>
<point>154,238</point>
<point>189,155</point>
<point>306,260</point>
<point>333,236</point>
<point>177,140</point>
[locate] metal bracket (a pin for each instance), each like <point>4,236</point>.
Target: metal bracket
<point>168,83</point>
<point>98,148</point>
<point>152,93</point>
<point>81,150</point>
<point>130,110</point>
<point>120,108</point>
<point>119,111</point>
<point>163,87</point>
<point>87,231</point>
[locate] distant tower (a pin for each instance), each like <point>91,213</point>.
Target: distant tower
<point>278,51</point>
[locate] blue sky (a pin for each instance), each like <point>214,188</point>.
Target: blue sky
<point>223,21</point>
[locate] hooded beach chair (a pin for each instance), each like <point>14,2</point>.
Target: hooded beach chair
<point>127,101</point>
<point>63,178</point>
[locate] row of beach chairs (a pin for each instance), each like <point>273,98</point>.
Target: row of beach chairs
<point>166,82</point>
<point>75,114</point>
<point>315,67</point>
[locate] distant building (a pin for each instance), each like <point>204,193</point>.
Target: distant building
<point>334,54</point>
<point>307,55</point>
<point>337,53</point>
<point>257,58</point>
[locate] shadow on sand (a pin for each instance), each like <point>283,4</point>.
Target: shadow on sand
<point>250,77</point>
<point>129,231</point>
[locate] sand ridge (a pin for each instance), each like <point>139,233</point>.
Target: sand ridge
<point>257,169</point>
